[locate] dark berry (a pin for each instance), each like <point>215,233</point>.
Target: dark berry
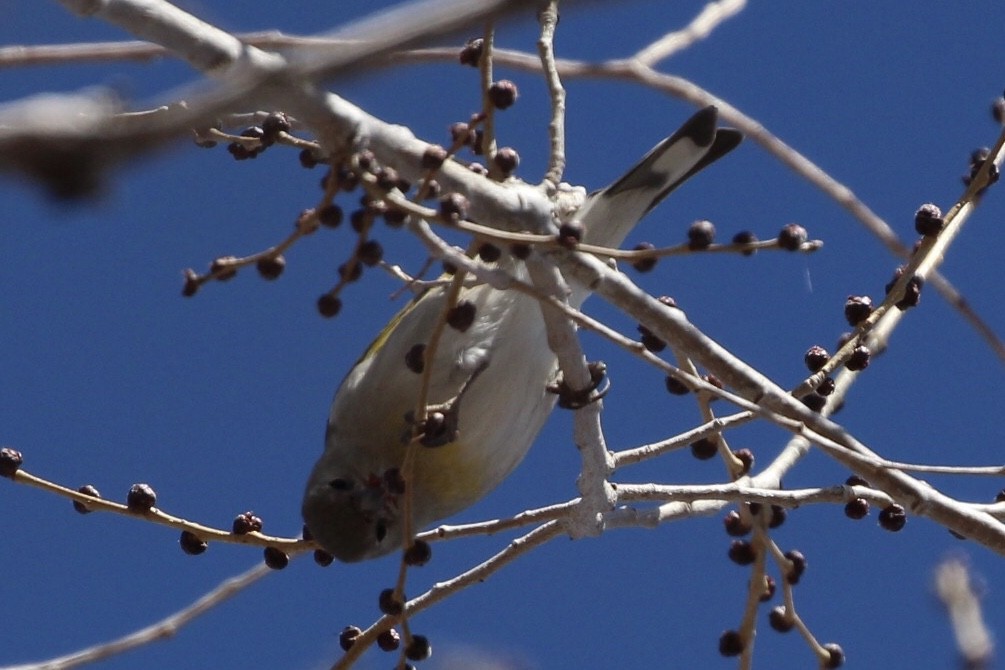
<point>461,316</point>
<point>330,216</point>
<point>998,110</point>
<point>676,386</point>
<point>87,490</point>
<point>418,648</point>
<point>745,237</point>
<point>650,341</point>
<point>731,643</point>
<point>503,94</point>
<point>246,523</point>
<point>388,178</point>
<point>855,480</point>
<point>271,267</point>
<point>390,603</point>
<point>191,285</point>
<point>859,359</point>
<point>239,152</point>
<point>893,517</point>
<point>857,309</point>
<point>433,157</point>
<point>700,235</point>
<point>570,234</point>
<point>274,123</point>
<point>471,54</point>
<point>742,552</point>
<point>814,401</point>
<point>254,132</point>
<point>705,448</point>
<point>418,554</point>
<point>912,294</point>
<point>779,620</point>
<point>10,462</point>
<point>644,264</point>
<point>827,386</point>
<point>460,133</point>
<point>735,524</point>
<point>308,159</point>
<point>713,381</point>
<point>746,458</point>
<point>798,567</point>
<point>348,637</point>
<point>454,207</point>
<point>507,160</point>
<point>431,189</point>
<point>815,358</point>
<point>792,237</point>
<point>928,220</point>
<point>141,498</point>
<point>371,253</point>
<point>778,516</point>
<point>395,218</point>
<point>223,268</point>
<point>277,559</point>
<point>365,160</point>
<point>389,640</point>
<point>836,658</point>
<point>361,219</point>
<point>323,558</point>
<point>857,509</point>
<point>489,253</point>
<point>192,544</point>
<point>329,305</point>
<point>977,159</point>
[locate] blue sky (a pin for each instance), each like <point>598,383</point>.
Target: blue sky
<point>108,376</point>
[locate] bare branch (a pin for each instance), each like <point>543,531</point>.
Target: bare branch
<point>162,630</point>
<point>711,16</point>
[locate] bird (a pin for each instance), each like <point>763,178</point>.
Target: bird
<point>488,385</point>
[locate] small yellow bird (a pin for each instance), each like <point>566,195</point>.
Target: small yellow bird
<point>490,380</point>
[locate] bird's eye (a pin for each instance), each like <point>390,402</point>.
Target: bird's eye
<point>381,530</point>
<point>340,484</point>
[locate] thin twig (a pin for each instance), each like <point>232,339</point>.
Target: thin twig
<point>711,17</point>
<point>447,588</point>
<point>157,516</point>
<point>548,17</point>
<point>161,630</point>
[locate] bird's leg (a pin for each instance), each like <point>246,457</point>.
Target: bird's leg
<point>440,426</point>
<point>569,398</point>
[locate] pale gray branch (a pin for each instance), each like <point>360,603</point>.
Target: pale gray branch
<point>161,630</point>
